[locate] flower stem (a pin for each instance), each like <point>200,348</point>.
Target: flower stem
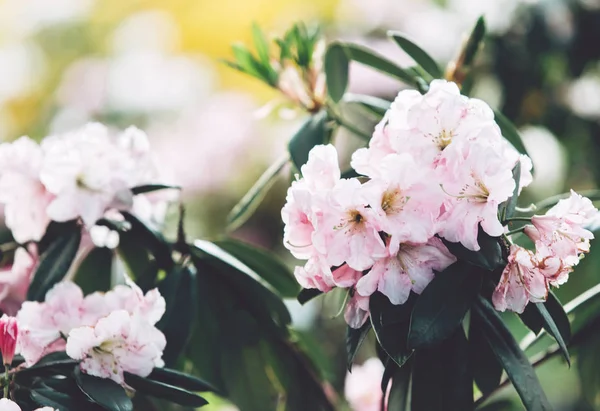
<point>6,378</point>
<point>515,231</point>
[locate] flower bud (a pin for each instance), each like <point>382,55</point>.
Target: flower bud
<point>8,338</point>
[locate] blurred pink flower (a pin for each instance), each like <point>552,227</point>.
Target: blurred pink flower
<point>15,280</point>
<point>363,386</point>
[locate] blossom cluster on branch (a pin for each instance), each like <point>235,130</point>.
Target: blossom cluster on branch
<point>438,171</point>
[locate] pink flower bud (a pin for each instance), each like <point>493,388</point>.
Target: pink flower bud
<point>8,338</point>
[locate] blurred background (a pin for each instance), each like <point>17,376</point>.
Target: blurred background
<point>155,64</point>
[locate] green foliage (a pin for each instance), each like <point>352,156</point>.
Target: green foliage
<point>104,392</point>
<point>489,257</point>
<point>165,391</point>
<point>313,132</point>
<point>354,340</point>
<point>336,71</point>
<point>420,56</point>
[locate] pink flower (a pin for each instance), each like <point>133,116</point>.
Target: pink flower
<point>9,331</point>
<point>118,343</point>
<point>521,282</point>
<point>299,220</point>
<point>407,204</point>
<point>24,197</point>
<point>411,268</point>
<point>321,171</point>
<point>350,230</point>
<point>357,310</point>
<point>8,405</point>
<point>15,279</point>
<point>476,181</point>
<point>363,386</point>
<point>150,306</point>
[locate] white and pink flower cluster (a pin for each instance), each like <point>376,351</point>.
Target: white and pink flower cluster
<point>438,167</point>
<point>77,175</point>
<point>560,240</point>
<point>111,333</point>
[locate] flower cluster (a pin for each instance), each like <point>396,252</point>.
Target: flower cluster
<point>560,239</point>
<point>438,168</point>
<point>111,333</point>
<point>77,175</point>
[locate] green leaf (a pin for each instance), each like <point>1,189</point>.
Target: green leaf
<point>54,264</point>
<point>398,396</point>
<point>246,62</point>
<point>354,339</point>
<point>149,188</point>
<point>391,323</point>
<point>487,371</point>
<point>374,60</point>
<point>265,264</point>
<point>375,105</point>
<point>179,290</point>
<point>50,398</point>
<point>150,239</point>
<point>95,271</point>
<point>588,361</point>
<point>509,131</point>
<point>242,211</point>
<point>103,391</point>
<point>511,204</point>
<point>419,55</point>
<point>164,391</point>
<point>551,327</point>
<point>443,304</point>
<point>261,44</point>
<point>59,358</point>
<point>336,71</point>
<point>512,358</point>
<point>181,379</point>
<point>474,41</point>
<point>532,318</point>
<point>307,294</point>
<point>488,257</point>
<point>313,132</point>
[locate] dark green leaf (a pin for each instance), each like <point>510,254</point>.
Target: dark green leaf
<point>474,41</point>
<point>487,371</point>
<point>54,264</point>
<point>398,396</point>
<point>557,311</point>
<point>372,59</point>
<point>265,264</point>
<point>150,239</point>
<point>55,359</point>
<point>252,199</point>
<point>377,106</point>
<point>552,329</point>
<point>419,55</point>
<point>512,358</point>
<point>313,132</point>
<point>511,203</point>
<point>488,257</point>
<point>510,132</point>
<point>427,379</point>
<point>336,70</point>
<point>443,304</point>
<point>458,373</point>
<point>50,398</point>
<point>179,290</point>
<point>164,391</point>
<point>94,272</point>
<point>390,323</point>
<point>307,294</point>
<point>148,188</point>
<point>532,318</point>
<point>354,339</point>
<point>181,379</point>
<point>103,391</point>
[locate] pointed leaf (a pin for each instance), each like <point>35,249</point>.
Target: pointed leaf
<point>261,44</point>
<point>512,358</point>
<point>419,55</point>
<point>398,396</point>
<point>336,71</point>
<point>552,329</point>
<point>54,264</point>
<point>242,211</point>
<point>532,318</point>
<point>307,294</point>
<point>313,132</point>
<point>103,391</point>
<point>354,339</point>
<point>443,304</point>
<point>509,131</point>
<point>181,379</point>
<point>149,188</point>
<point>265,264</point>
<point>164,391</point>
<point>474,41</point>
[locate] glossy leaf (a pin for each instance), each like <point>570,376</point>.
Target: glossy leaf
<point>265,264</point>
<point>510,132</point>
<point>443,304</point>
<point>532,318</point>
<point>551,327</point>
<point>458,373</point>
<point>54,264</point>
<point>307,294</point>
<point>103,391</point>
<point>150,239</point>
<point>512,358</point>
<point>242,211</point>
<point>181,379</point>
<point>164,391</point>
<point>420,56</point>
<point>487,371</point>
<point>149,188</point>
<point>354,339</point>
<point>336,71</point>
<point>313,132</point>
<point>488,257</point>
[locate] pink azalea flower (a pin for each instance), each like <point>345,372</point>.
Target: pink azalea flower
<point>15,279</point>
<point>362,388</point>
<point>299,220</point>
<point>150,306</point>
<point>321,171</point>
<point>357,310</point>
<point>556,260</point>
<point>476,184</point>
<point>350,231</point>
<point>118,343</point>
<point>411,268</point>
<point>9,331</point>
<point>521,282</point>
<point>23,195</point>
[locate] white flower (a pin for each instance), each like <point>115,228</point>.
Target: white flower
<point>118,343</point>
<point>103,236</point>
